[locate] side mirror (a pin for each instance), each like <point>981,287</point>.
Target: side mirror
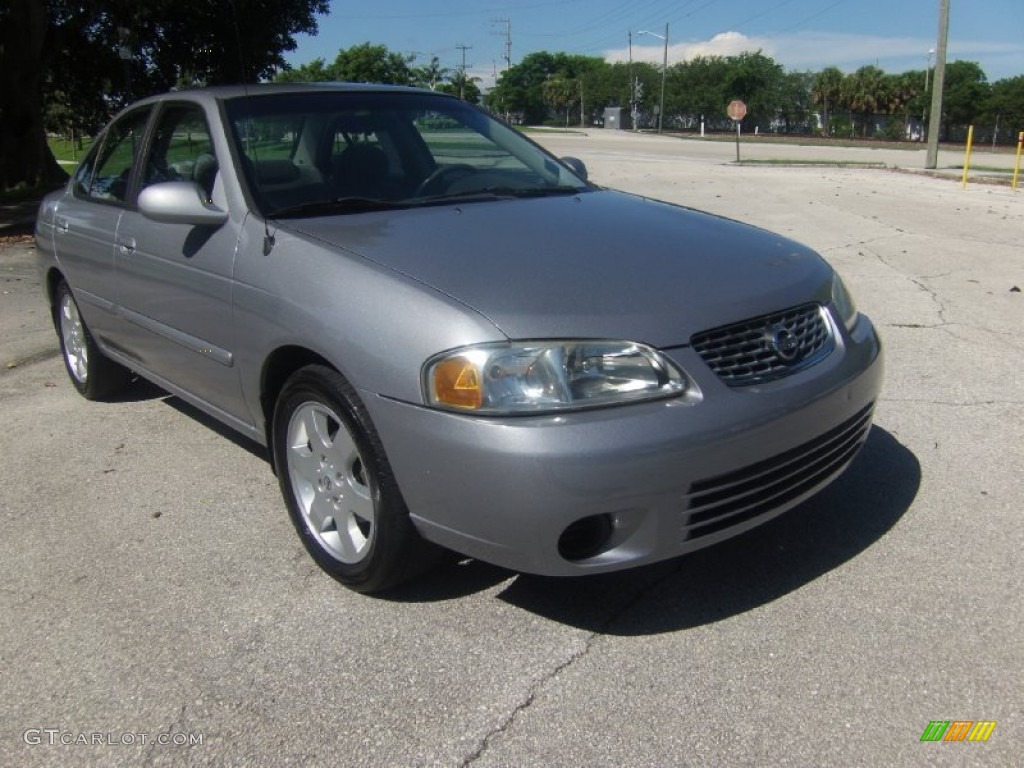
<point>576,166</point>
<point>179,202</point>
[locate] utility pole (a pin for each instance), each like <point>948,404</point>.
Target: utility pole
<point>462,80</point>
<point>583,123</point>
<point>935,120</point>
<point>508,39</point>
<point>664,74</point>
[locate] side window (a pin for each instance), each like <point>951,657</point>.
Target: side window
<point>182,149</point>
<point>83,176</point>
<point>117,155</point>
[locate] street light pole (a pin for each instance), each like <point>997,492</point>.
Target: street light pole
<point>664,71</point>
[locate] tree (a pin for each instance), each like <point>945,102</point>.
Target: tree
<point>827,90</point>
<point>367,63</point>
<point>1005,105</point>
<point>363,63</point>
<point>756,80</point>
<point>697,87</point>
<point>904,92</point>
<point>560,92</point>
<point>793,102</point>
<point>316,71</point>
<point>64,54</point>
<point>430,76</point>
<point>865,91</point>
<point>462,85</point>
<point>964,95</point>
<point>520,89</point>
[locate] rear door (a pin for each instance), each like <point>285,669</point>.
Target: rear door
<point>87,219</point>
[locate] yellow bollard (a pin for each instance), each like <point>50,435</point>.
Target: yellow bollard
<point>1016,165</point>
<point>967,155</point>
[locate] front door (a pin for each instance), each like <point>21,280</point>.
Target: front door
<point>174,280</point>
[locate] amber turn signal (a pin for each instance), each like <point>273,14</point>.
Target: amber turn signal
<point>457,383</point>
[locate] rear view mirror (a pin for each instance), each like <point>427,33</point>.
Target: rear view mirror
<point>179,202</point>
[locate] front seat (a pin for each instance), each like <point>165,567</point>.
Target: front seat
<point>360,171</point>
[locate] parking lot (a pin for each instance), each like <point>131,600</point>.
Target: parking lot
<point>158,608</point>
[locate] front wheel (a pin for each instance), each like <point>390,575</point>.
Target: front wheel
<point>338,485</point>
<point>94,375</point>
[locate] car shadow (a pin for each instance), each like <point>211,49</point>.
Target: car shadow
<point>141,390</point>
<point>721,581</point>
<point>138,390</point>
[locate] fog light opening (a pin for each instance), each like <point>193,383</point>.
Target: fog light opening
<point>587,537</point>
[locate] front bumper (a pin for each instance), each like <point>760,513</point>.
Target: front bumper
<point>670,476</point>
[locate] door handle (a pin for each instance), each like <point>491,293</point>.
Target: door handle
<point>126,245</point>
<point>62,225</point>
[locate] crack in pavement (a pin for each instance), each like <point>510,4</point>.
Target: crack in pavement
<point>539,685</point>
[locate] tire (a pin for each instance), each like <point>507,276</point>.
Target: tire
<point>94,375</point>
<point>338,485</point>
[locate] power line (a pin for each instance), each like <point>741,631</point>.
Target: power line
<point>508,38</point>
<point>462,80</point>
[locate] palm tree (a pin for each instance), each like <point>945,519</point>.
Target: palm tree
<point>560,92</point>
<point>903,90</point>
<point>866,91</point>
<point>431,75</point>
<point>826,89</point>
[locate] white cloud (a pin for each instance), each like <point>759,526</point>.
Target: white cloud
<point>722,44</point>
<point>817,50</point>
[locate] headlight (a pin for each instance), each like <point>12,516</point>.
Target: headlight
<point>532,377</point>
<point>843,302</point>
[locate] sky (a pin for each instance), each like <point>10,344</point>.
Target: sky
<point>802,35</point>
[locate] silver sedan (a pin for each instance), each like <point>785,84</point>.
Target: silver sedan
<point>449,339</point>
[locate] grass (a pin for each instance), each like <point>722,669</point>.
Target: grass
<point>545,129</point>
<point>66,151</point>
<point>828,163</point>
<point>984,168</point>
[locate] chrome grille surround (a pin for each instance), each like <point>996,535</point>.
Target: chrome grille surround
<point>725,500</point>
<point>767,347</point>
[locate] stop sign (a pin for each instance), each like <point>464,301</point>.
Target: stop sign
<point>737,109</point>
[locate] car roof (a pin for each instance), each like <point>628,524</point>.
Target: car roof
<point>224,92</point>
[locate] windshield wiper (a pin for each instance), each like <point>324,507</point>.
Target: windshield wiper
<point>339,205</point>
<point>499,193</point>
<point>534,191</point>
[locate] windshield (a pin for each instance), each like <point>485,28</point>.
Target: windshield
<point>315,153</point>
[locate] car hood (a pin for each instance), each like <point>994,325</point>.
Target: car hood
<point>600,264</point>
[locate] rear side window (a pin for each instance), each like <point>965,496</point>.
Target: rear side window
<point>107,177</point>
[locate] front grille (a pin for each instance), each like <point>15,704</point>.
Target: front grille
<point>766,347</point>
<point>728,499</point>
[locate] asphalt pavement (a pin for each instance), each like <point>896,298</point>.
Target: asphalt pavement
<point>152,589</point>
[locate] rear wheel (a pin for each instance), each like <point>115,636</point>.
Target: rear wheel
<point>338,485</point>
<point>94,375</point>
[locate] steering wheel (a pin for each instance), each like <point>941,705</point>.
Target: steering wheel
<point>439,180</point>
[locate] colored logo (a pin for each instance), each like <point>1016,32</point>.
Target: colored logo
<point>958,730</point>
